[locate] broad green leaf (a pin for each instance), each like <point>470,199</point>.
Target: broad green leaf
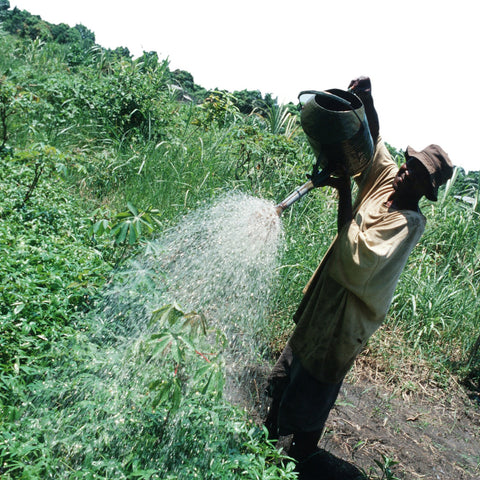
<point>133,235</point>
<point>120,238</point>
<point>132,208</point>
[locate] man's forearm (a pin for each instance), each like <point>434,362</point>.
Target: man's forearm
<point>345,212</point>
<point>372,116</point>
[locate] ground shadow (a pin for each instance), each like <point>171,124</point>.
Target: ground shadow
<point>325,466</point>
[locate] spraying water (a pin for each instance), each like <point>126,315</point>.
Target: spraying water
<point>96,405</point>
<point>222,261</point>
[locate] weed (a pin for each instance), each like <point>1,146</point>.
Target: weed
<point>385,467</point>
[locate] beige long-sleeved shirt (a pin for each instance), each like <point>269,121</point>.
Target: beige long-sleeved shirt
<point>349,295</point>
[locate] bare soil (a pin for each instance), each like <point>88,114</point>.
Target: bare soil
<point>431,438</point>
<point>433,433</point>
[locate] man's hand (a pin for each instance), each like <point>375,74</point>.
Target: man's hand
<point>361,85</point>
<point>341,183</point>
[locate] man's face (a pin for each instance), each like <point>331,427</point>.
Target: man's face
<point>412,178</point>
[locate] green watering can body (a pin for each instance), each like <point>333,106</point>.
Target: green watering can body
<point>336,126</point>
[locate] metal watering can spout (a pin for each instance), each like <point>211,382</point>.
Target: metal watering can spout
<point>336,127</point>
<point>315,180</point>
<point>293,197</point>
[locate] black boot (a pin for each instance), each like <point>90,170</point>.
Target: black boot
<point>304,445</point>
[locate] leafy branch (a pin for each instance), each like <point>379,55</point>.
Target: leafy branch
<point>127,227</point>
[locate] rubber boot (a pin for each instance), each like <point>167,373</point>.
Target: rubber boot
<point>304,445</point>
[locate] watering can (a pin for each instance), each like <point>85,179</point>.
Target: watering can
<point>337,130</point>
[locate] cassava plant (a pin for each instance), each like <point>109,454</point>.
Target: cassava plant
<point>126,228</point>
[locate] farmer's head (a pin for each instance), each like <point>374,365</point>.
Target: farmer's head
<point>423,172</point>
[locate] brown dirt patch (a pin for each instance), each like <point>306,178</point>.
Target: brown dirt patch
<point>433,433</point>
<point>430,438</point>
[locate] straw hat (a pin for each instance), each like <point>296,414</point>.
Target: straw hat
<point>438,165</point>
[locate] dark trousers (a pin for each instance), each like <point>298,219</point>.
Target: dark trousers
<point>300,403</point>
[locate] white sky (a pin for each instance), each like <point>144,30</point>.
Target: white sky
<point>421,55</point>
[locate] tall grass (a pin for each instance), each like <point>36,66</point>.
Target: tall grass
<point>437,303</point>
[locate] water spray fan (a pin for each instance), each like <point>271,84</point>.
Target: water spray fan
<point>337,130</point>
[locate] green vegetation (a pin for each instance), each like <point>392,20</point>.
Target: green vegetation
<point>99,153</point>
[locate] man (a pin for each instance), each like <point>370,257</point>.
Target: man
<point>349,295</point>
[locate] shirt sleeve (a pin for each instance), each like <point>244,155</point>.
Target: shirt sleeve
<point>368,263</point>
